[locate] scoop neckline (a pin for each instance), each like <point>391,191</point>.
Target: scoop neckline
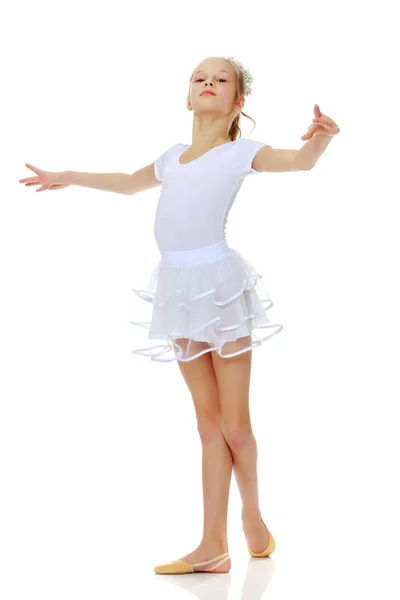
<point>202,155</point>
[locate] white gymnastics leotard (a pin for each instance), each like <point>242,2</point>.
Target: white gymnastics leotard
<point>196,197</point>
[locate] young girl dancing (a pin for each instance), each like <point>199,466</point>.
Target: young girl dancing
<point>207,301</point>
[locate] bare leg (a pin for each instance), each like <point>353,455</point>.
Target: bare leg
<point>244,451</point>
<point>216,459</point>
<point>217,474</point>
<point>233,377</point>
<point>245,455</point>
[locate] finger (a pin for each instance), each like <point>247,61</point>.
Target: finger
<point>327,126</point>
<point>321,120</point>
<point>32,183</point>
<point>35,169</point>
<point>326,119</point>
<point>27,179</point>
<point>310,132</point>
<point>317,110</point>
<point>315,128</point>
<point>307,135</point>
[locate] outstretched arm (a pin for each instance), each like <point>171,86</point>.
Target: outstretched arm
<point>319,136</point>
<point>119,183</point>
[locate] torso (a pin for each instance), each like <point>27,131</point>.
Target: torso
<point>198,193</point>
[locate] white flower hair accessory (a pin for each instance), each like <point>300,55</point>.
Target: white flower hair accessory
<point>247,77</point>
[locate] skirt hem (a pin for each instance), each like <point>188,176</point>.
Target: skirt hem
<point>169,346</point>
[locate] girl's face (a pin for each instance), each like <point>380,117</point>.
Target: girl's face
<point>218,76</point>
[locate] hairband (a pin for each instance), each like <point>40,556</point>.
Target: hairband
<point>247,77</point>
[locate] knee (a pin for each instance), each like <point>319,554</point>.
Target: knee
<point>236,434</point>
<point>209,427</point>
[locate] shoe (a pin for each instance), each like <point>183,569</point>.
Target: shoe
<point>268,550</point>
<point>178,567</point>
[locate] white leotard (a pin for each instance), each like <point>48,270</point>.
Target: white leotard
<point>196,197</point>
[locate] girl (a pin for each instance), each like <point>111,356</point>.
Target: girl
<point>207,300</point>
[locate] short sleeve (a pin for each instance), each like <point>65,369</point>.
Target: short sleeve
<point>247,150</point>
<point>161,162</point>
<point>158,166</point>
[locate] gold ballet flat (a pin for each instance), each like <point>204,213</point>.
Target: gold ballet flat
<point>179,567</point>
<point>268,550</point>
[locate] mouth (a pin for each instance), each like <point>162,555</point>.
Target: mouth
<point>207,92</point>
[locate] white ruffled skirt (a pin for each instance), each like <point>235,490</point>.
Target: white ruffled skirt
<point>200,300</point>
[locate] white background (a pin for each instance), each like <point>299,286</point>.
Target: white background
<point>100,460</point>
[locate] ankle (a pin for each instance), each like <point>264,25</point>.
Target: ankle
<point>251,514</point>
<point>217,544</point>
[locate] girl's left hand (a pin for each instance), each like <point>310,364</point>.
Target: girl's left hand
<point>321,124</point>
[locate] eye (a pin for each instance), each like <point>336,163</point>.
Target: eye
<point>200,79</point>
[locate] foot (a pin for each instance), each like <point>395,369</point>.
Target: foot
<point>256,532</point>
<point>203,553</point>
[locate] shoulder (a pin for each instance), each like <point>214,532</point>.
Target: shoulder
<point>245,151</point>
<point>161,162</point>
<point>172,149</point>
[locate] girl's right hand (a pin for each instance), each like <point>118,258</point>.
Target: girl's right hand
<point>49,180</point>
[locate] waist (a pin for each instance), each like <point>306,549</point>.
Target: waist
<point>182,258</point>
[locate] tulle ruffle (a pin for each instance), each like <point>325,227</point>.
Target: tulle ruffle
<point>214,305</point>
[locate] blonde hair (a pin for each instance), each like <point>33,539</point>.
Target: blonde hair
<point>234,130</point>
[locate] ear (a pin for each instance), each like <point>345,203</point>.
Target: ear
<point>238,106</point>
<point>241,102</point>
